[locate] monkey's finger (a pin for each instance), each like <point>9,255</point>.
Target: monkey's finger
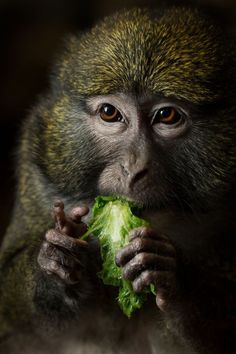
<point>162,299</point>
<point>51,252</point>
<point>71,224</point>
<point>143,245</point>
<point>73,245</point>
<point>144,261</point>
<point>161,280</point>
<point>146,232</point>
<point>64,273</point>
<point>59,214</point>
<point>77,213</point>
<point>73,229</point>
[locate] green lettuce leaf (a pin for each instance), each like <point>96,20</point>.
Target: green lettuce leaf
<point>111,222</point>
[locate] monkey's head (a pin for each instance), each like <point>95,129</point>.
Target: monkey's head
<point>142,106</point>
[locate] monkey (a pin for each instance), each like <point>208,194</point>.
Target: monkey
<point>142,106</point>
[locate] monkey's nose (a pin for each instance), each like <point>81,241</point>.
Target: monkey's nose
<point>134,174</point>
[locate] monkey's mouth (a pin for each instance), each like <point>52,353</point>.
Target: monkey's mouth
<point>144,194</point>
<point>145,203</point>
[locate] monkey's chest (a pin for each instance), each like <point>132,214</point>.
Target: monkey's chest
<point>113,333</point>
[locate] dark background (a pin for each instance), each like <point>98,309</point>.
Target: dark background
<point>31,33</point>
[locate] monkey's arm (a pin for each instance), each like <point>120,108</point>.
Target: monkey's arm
<point>207,302</point>
<point>68,265</point>
<point>194,303</point>
<point>51,277</point>
<point>17,287</point>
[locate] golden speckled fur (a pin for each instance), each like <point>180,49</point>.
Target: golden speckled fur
<point>180,54</point>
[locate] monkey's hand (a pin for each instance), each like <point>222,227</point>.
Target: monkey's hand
<point>150,258</point>
<point>62,253</point>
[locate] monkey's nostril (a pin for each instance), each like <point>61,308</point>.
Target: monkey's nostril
<point>133,176</point>
<point>139,175</point>
<point>124,170</point>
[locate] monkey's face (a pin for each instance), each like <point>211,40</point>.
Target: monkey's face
<point>137,139</point>
<point>159,152</point>
<point>156,151</point>
<point>144,108</point>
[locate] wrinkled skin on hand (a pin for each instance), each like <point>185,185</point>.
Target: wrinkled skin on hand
<point>148,259</point>
<point>62,253</point>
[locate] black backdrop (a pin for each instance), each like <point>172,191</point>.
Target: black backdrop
<point>30,34</point>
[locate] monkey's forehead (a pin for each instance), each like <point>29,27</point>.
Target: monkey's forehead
<point>178,53</point>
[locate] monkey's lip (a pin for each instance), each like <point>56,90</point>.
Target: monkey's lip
<point>144,204</point>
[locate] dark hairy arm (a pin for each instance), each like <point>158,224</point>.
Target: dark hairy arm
<point>66,278</point>
<point>52,277</point>
<point>196,303</point>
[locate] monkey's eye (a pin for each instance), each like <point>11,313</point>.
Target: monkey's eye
<point>167,115</point>
<point>109,113</point>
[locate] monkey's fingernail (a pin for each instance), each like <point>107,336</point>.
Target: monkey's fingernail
<point>58,204</point>
<point>117,260</point>
<point>79,211</point>
<point>161,303</point>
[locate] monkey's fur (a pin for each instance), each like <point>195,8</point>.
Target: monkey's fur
<point>187,189</point>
